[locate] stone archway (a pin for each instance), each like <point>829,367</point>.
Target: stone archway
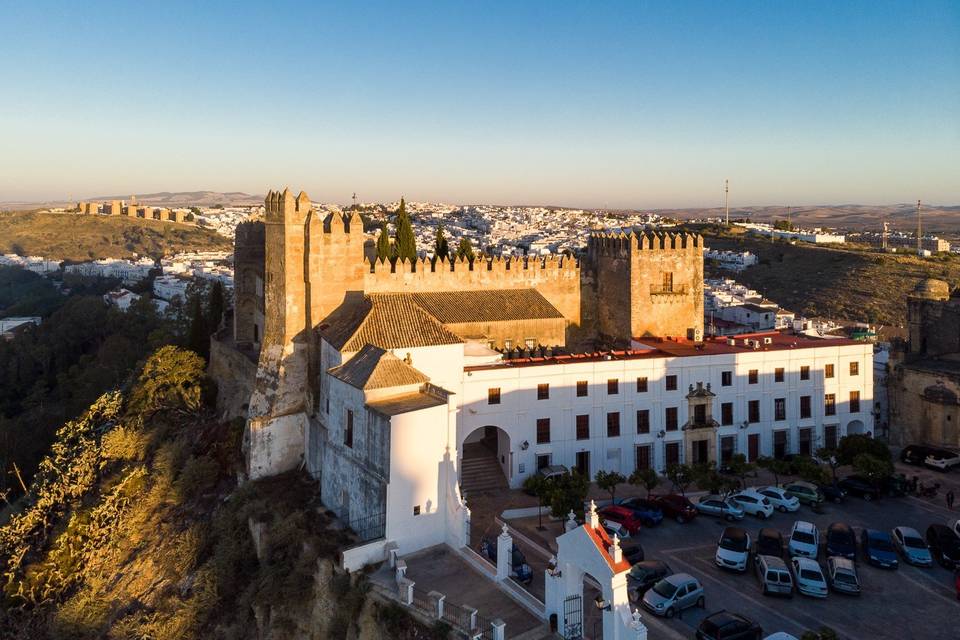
<point>485,460</point>
<point>855,427</point>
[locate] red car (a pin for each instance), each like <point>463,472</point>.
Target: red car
<point>623,517</point>
<point>676,507</point>
<point>956,583</point>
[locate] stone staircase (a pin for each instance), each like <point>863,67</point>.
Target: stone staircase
<point>481,474</point>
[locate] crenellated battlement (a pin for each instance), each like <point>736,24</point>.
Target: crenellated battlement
<point>494,264</point>
<point>621,244</point>
<point>283,207</point>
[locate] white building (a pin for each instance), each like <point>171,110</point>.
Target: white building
<point>733,260</point>
<point>170,287</point>
<point>120,298</point>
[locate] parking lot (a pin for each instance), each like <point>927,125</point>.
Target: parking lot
<point>908,602</point>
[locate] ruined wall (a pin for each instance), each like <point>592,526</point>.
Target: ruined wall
<point>934,326</point>
<point>923,407</point>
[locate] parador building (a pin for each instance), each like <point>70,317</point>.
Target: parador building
<point>405,386</point>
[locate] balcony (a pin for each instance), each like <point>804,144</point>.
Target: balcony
<point>661,290</point>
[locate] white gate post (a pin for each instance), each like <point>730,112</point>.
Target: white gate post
<point>498,629</point>
<point>437,597</point>
<point>504,554</point>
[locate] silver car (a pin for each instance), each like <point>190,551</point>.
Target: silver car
<point>674,594</point>
<point>842,574</point>
<point>912,546</point>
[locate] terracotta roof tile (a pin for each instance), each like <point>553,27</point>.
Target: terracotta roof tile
<point>376,368</point>
<point>490,305</point>
<point>389,321</point>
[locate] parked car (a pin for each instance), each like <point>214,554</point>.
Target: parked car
<point>714,505</point>
<point>842,574</point>
<point>724,625</point>
<point>915,454</point>
<point>860,486</point>
<point>955,525</point>
<point>806,492</point>
<point>674,593</point>
<point>832,492</point>
<point>519,569</point>
<point>804,540</point>
<point>644,575</point>
<point>956,582</point>
<point>896,485</point>
<point>646,510</point>
<point>809,577</point>
<point>780,499</point>
<point>615,529</point>
<point>769,543</point>
<point>675,506</point>
<point>942,459</point>
<point>841,541</point>
<point>774,577</point>
<point>550,472</point>
<point>632,551</point>
<point>753,503</point>
<point>733,549</point>
<point>911,546</point>
<point>878,549</point>
<point>944,545</point>
<point>622,516</point>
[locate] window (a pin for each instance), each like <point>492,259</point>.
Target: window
<point>828,371</point>
<point>830,436</point>
<point>805,372</point>
<point>543,461</point>
<point>583,463</point>
<point>543,430</point>
<point>667,281</point>
<point>543,391</point>
<point>830,405</point>
<point>672,453</point>
<point>752,376</point>
<point>643,457</point>
<point>583,427</point>
<point>806,447</point>
<point>854,368</point>
<point>670,417</point>
<point>726,413</point>
<point>643,421</point>
<point>508,345</point>
<point>642,384</point>
<point>416,510</point>
<point>700,414</point>
<point>753,411</point>
<point>805,410</point>
<point>779,408</point>
<point>778,374</point>
<point>530,343</point>
<point>493,395</point>
<point>854,402</point>
<point>728,446</point>
<point>726,378</point>
<point>613,424</point>
<point>582,388</point>
<point>671,383</point>
<point>613,386</point>
<point>348,431</point>
<point>779,444</point>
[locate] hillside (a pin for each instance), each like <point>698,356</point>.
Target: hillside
<point>67,236</point>
<point>841,284</point>
<point>135,527</point>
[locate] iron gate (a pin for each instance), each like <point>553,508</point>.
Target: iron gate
<point>573,618</point>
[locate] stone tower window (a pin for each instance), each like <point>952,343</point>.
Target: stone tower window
<point>668,281</point>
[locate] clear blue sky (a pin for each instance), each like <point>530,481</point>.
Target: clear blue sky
<point>633,104</point>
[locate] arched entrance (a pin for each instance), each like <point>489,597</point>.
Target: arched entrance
<point>855,427</point>
<point>485,460</point>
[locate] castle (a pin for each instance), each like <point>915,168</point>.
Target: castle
<point>402,386</point>
<point>132,210</point>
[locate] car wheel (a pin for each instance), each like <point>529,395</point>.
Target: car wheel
<point>837,500</point>
<point>867,497</point>
<point>782,509</point>
<point>728,517</point>
<point>669,613</point>
<point>701,602</point>
<point>680,519</point>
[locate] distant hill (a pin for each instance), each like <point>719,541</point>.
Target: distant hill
<point>170,199</point>
<point>66,236</point>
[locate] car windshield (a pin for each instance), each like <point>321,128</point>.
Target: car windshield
<point>640,572</point>
<point>803,536</point>
<point>733,543</point>
<point>881,544</point>
<point>914,543</point>
<point>733,504</point>
<point>841,537</point>
<point>812,575</point>
<point>844,577</point>
<point>665,589</point>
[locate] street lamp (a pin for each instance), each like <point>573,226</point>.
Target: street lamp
<point>602,604</point>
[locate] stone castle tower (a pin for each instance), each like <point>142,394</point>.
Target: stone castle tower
<point>628,285</point>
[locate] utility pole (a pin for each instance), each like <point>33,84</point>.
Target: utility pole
<point>919,232</point>
<point>354,199</point>
<point>886,228</point>
<point>789,226</point>
<point>726,200</point>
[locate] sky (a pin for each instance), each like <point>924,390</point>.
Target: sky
<point>622,105</point>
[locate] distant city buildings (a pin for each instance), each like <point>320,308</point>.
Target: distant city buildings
<point>732,260</point>
<point>815,236</point>
<point>132,210</point>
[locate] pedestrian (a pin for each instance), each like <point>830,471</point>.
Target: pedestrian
<point>949,499</point>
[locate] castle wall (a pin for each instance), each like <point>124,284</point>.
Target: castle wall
<point>916,419</point>
<point>234,374</point>
<point>548,332</point>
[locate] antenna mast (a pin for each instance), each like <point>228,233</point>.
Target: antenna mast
<point>919,232</point>
<point>726,200</point>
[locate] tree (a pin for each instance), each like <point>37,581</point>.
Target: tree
<point>172,378</point>
<point>608,481</point>
<point>567,493</point>
<point>712,481</point>
<point>681,476</point>
<point>829,456</point>
<point>405,244</point>
<point>384,248</point>
<point>198,339</point>
<point>810,470</point>
<point>776,467</point>
<point>646,478</point>
<point>740,468</point>
<point>465,249</point>
<point>872,468</point>
<point>540,487</point>
<point>441,247</point>
<point>853,445</point>
<point>217,305</point>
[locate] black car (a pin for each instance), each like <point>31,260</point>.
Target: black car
<point>724,625</point>
<point>632,551</point>
<point>944,545</point>
<point>860,486</point>
<point>769,543</point>
<point>895,485</point>
<point>915,454</point>
<point>841,541</point>
<point>832,492</point>
<point>644,575</point>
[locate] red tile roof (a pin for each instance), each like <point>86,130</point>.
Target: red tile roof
<point>600,538</point>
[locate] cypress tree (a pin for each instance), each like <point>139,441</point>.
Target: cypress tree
<point>198,339</point>
<point>465,249</point>
<point>384,249</point>
<point>441,246</point>
<point>405,242</point>
<point>217,305</point>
